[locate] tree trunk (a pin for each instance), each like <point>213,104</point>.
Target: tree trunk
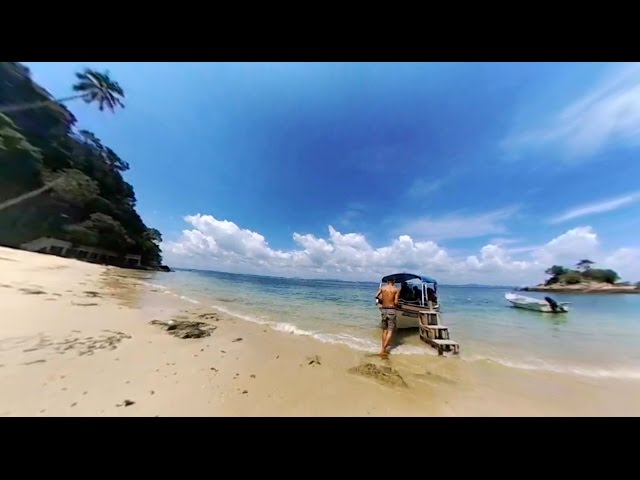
<point>27,195</point>
<point>28,106</point>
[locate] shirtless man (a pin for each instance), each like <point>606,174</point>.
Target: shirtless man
<point>388,296</point>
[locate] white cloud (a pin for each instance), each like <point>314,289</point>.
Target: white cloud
<point>602,206</point>
<point>221,244</point>
<point>625,261</point>
<point>608,113</point>
<point>568,248</point>
<point>460,226</point>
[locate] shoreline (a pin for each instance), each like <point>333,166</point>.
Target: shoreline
<point>77,341</point>
<point>583,289</point>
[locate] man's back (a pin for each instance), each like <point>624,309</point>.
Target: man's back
<point>389,294</point>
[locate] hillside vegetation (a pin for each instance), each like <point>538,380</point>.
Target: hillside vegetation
<point>59,180</point>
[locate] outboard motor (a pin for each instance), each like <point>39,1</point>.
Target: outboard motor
<point>552,303</point>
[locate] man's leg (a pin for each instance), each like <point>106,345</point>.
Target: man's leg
<point>387,340</point>
<point>390,330</point>
<point>385,326</point>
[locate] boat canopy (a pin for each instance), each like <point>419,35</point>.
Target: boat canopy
<point>405,277</point>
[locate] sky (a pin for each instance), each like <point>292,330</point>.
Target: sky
<point>468,172</point>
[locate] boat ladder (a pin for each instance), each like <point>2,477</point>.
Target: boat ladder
<point>435,334</point>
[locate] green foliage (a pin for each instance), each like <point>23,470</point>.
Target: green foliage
<point>571,278</point>
<point>80,192</point>
<point>99,87</point>
<point>584,264</point>
<point>102,231</point>
<point>12,141</point>
<point>598,275</point>
<point>556,270</point>
<point>72,186</point>
<point>561,274</point>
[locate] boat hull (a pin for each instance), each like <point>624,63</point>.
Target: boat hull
<point>534,304</point>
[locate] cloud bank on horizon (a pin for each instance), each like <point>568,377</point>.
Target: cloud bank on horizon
<point>223,245</point>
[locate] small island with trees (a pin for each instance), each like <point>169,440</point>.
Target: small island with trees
<point>584,279</point>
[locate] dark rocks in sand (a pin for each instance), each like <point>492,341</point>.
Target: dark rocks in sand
<point>239,339</point>
<point>252,376</point>
<point>245,392</point>
<point>74,404</point>
<point>383,374</point>
<point>314,360</point>
<point>33,291</point>
<point>208,316</point>
<point>185,328</point>
<point>125,403</point>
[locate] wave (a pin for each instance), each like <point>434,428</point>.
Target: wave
<point>248,318</point>
<point>191,300</point>
<point>371,346</point>
<point>357,343</point>
<point>621,373</point>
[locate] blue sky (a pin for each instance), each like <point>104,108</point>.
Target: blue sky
<point>243,167</point>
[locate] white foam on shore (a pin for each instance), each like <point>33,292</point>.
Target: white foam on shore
<point>248,318</point>
<point>357,343</point>
<point>622,373</point>
<point>370,346</point>
<point>159,287</point>
<point>292,329</point>
<point>191,300</point>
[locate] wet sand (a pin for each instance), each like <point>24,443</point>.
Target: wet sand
<point>77,339</point>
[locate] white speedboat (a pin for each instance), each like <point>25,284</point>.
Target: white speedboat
<point>548,305</point>
<point>418,295</point>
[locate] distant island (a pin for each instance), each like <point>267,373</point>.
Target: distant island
<point>584,279</point>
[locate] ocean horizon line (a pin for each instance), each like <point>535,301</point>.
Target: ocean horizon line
<point>278,277</point>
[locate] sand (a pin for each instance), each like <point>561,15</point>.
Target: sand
<point>77,339</point>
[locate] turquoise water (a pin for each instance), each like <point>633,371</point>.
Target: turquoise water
<point>599,337</point>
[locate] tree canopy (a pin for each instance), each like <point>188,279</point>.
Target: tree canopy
<point>60,181</point>
<point>584,265</point>
<point>560,274</point>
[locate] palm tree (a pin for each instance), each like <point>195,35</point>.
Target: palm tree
<point>92,86</point>
<point>584,264</point>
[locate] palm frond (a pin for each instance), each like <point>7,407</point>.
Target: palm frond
<point>96,86</point>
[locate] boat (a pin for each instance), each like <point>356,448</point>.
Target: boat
<point>548,305</point>
<point>419,293</point>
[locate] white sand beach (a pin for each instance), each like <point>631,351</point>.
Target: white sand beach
<point>76,340</point>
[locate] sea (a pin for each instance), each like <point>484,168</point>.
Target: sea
<point>598,338</point>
